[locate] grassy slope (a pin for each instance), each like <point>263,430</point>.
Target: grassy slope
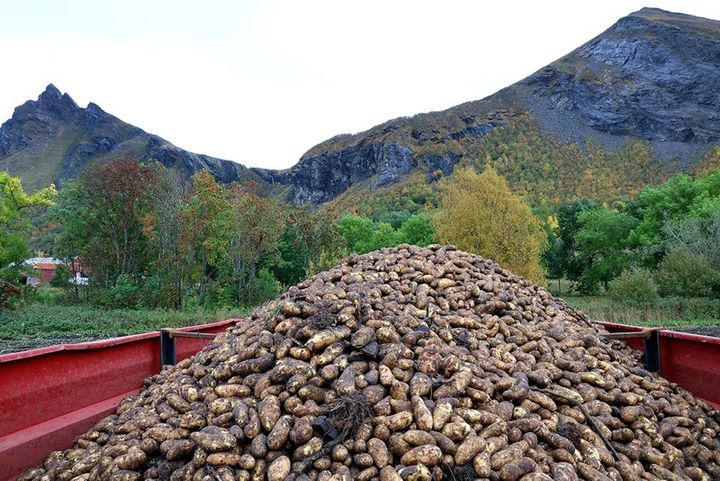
<point>39,165</point>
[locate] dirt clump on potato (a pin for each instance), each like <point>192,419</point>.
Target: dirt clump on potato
<point>404,364</point>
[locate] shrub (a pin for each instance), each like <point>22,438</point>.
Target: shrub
<point>684,273</point>
<point>124,294</point>
<point>266,287</point>
<point>61,276</point>
<point>50,296</point>
<point>634,284</point>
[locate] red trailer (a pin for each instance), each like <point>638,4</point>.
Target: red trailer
<point>50,395</point>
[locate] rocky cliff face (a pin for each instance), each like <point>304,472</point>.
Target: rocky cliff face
<point>653,76</point>
<point>382,156</point>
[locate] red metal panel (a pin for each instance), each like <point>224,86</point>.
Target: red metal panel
<point>638,344</point>
<point>693,362</point>
<point>49,384</point>
<point>29,447</point>
<point>50,395</point>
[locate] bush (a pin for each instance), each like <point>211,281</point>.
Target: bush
<point>684,273</point>
<point>50,296</point>
<point>124,294</point>
<point>266,287</point>
<point>61,277</point>
<point>633,284</point>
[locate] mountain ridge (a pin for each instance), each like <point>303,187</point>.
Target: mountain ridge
<point>650,79</point>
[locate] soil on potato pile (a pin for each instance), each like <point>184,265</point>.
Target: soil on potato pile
<point>404,364</point>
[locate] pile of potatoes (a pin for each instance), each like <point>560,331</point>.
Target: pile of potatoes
<point>412,364</point>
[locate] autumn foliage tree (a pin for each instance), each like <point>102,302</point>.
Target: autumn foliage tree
<point>257,226</point>
<point>101,216</point>
<point>480,214</point>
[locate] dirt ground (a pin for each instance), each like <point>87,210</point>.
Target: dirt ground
<point>713,331</point>
<point>15,345</point>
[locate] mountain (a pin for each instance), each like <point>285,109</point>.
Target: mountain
<point>652,79</point>
<point>53,139</point>
<point>627,109</point>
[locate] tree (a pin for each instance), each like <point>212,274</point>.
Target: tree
<point>567,228</point>
<point>602,245</point>
<point>15,205</point>
<point>162,225</point>
<point>307,238</point>
<point>418,230</point>
<point>205,232</point>
<point>101,217</point>
<point>553,256</point>
<point>687,274</point>
<point>357,232</point>
<point>256,229</point>
<point>480,214</point>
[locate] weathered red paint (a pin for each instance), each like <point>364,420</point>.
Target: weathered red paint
<point>50,395</point>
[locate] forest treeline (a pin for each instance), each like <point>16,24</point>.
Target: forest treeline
<point>147,237</point>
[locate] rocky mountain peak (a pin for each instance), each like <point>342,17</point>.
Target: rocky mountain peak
<point>53,101</point>
<point>50,93</point>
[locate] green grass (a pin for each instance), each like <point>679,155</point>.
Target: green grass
<point>47,321</point>
<point>39,165</point>
<point>662,312</point>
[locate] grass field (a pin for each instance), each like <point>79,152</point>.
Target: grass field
<point>662,312</point>
<point>40,325</point>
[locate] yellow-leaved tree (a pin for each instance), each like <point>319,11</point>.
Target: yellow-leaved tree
<point>480,214</point>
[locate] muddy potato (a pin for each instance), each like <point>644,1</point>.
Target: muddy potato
<point>468,449</point>
<point>427,455</point>
<point>279,469</point>
<point>177,449</point>
<point>279,434</point>
<point>415,437</point>
<point>214,439</point>
<point>379,453</point>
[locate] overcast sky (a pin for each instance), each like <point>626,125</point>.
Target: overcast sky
<point>261,82</point>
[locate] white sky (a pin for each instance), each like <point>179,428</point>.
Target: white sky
<point>261,82</point>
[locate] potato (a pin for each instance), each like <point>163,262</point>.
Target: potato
<point>422,415</point>
<point>517,468</point>
<point>173,449</point>
<point>379,452</point>
<point>427,455</point>
<point>279,469</point>
<point>224,459</point>
<point>468,449</point>
<point>279,434</point>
